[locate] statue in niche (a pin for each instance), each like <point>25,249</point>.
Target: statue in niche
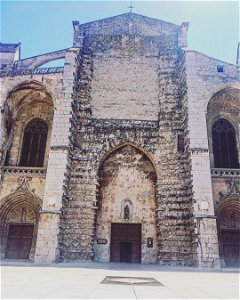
<point>126,209</point>
<point>126,212</point>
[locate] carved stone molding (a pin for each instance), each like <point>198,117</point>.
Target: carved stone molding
<point>225,172</point>
<point>32,71</point>
<point>29,171</point>
<point>224,95</point>
<point>233,189</point>
<point>23,184</point>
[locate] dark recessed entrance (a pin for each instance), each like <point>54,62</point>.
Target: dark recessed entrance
<point>231,247</point>
<point>19,241</point>
<point>125,243</point>
<point>229,236</point>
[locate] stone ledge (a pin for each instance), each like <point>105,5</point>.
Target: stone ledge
<point>59,147</point>
<point>51,212</point>
<point>33,171</point>
<point>218,172</point>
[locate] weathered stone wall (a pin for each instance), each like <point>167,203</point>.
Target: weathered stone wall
<point>175,187</point>
<point>109,93</point>
<point>92,138</point>
<point>128,23</point>
<point>25,97</point>
<point>204,81</point>
<point>126,176</point>
<point>129,120</point>
<point>47,246</point>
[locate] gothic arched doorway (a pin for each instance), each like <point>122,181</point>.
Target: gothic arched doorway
<point>19,221</point>
<point>126,219</point>
<point>229,234</point>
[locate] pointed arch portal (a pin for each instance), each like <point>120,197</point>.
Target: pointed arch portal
<point>19,214</point>
<point>126,217</point>
<point>229,232</point>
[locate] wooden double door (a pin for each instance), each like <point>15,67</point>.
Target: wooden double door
<point>231,247</point>
<point>125,243</point>
<point>19,241</point>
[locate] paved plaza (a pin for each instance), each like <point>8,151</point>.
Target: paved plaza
<point>115,281</point>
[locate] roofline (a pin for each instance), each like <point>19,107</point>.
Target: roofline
<point>162,21</point>
<point>221,61</point>
<point>10,44</point>
<point>45,54</point>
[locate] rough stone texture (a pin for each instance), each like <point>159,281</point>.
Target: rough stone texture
<point>127,176</point>
<point>92,139</point>
<point>46,249</point>
<point>129,121</point>
<point>204,84</point>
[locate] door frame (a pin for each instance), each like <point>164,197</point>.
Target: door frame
<point>222,244</point>
<point>118,241</point>
<point>20,224</point>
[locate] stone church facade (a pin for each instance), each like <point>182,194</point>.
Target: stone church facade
<point>128,153</point>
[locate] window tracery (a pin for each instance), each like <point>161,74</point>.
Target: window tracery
<point>34,144</point>
<point>224,145</point>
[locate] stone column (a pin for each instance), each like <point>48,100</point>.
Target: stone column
<point>47,239</point>
<point>207,253</point>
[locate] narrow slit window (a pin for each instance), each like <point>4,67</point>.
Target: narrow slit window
<point>180,143</point>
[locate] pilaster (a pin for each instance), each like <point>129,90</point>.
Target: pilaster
<point>46,248</point>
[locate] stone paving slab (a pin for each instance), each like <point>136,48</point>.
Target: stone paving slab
<point>84,281</point>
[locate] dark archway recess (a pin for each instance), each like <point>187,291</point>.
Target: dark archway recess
<point>224,145</point>
<point>34,144</point>
<point>229,237</point>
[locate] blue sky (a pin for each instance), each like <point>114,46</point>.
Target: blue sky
<point>44,26</point>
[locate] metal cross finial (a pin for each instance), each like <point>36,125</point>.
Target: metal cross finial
<point>131,7</point>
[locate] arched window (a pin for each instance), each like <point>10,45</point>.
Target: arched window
<point>34,144</point>
<point>224,145</point>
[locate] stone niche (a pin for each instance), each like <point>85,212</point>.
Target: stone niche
<point>126,179</point>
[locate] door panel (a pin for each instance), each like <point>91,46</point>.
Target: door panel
<point>125,243</point>
<point>27,231</point>
<point>136,252</point>
<point>19,241</point>
<point>119,232</point>
<point>125,252</point>
<point>133,232</point>
<point>231,247</point>
<point>12,248</point>
<point>15,231</point>
<point>25,248</point>
<point>115,252</point>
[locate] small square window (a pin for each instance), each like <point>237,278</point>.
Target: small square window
<point>220,69</point>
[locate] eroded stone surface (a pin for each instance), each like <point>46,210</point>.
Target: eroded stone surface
<point>129,123</point>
